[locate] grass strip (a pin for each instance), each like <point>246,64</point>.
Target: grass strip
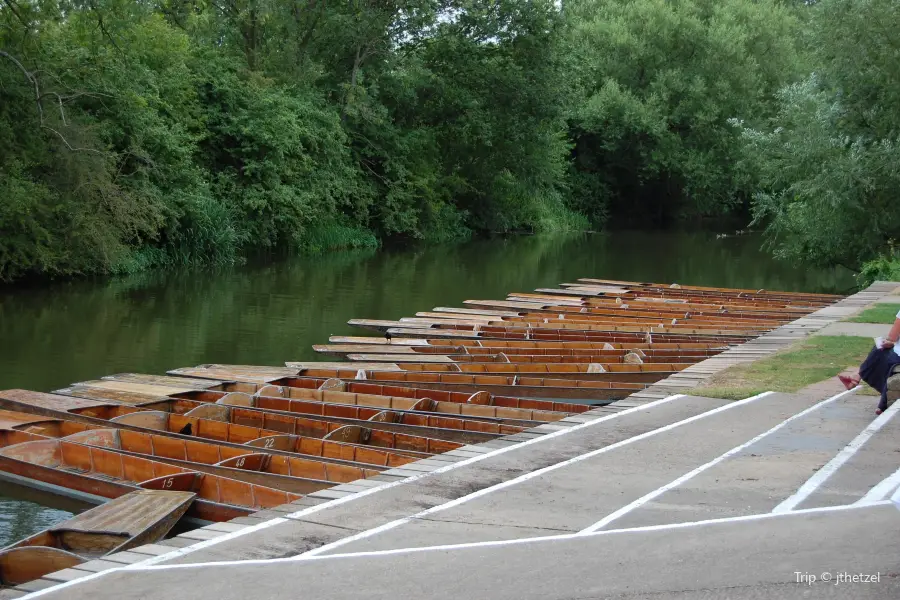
<point>814,359</point>
<point>880,313</point>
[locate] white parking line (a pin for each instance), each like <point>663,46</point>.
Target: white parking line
<point>519,541</point>
<point>822,475</point>
<point>687,476</point>
<point>179,552</point>
<point>883,490</point>
<point>521,478</point>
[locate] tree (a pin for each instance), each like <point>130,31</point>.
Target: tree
<point>658,81</point>
<point>829,158</point>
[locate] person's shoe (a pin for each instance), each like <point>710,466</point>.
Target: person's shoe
<point>848,382</point>
<point>878,411</point>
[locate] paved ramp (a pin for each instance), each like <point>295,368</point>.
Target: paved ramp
<point>770,558</point>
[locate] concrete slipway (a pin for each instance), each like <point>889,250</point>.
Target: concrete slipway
<point>676,496</point>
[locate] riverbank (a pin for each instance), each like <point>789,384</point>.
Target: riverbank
<point>497,483</point>
<point>77,330</point>
<point>154,322</point>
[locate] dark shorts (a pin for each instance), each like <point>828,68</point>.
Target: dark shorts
<point>876,370</point>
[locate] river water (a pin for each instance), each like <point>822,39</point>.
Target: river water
<point>268,313</point>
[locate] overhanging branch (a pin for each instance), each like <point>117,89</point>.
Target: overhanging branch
<point>38,97</point>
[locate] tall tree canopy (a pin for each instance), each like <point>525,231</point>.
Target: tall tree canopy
<point>140,134</point>
<point>829,161</point>
<point>658,81</point>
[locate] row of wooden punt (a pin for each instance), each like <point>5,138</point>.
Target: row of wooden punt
<point>589,341</point>
<point>760,295</point>
<point>611,341</point>
<point>253,444</point>
<point>243,437</point>
<point>539,388</point>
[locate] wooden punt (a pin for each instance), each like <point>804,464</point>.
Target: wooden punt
<point>130,383</point>
<point>751,303</point>
<point>327,401</point>
<point>560,327</point>
<point>137,518</point>
<point>667,311</point>
<point>548,335</point>
<point>600,371</point>
<point>586,298</point>
<point>522,387</point>
<point>219,422</point>
<point>459,352</point>
<point>599,357</point>
<point>638,311</point>
<point>368,410</point>
<point>578,321</point>
<point>606,372</point>
<point>239,436</point>
<point>317,420</point>
<point>641,311</point>
<point>662,325</point>
<point>623,316</point>
<point>291,474</point>
<point>586,292</point>
<point>629,315</point>
<point>673,297</point>
<point>658,307</point>
<point>471,345</point>
<point>109,474</point>
<point>697,289</point>
<point>492,405</point>
<point>335,392</point>
<point>676,288</point>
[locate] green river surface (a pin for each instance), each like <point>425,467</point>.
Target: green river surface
<point>270,312</point>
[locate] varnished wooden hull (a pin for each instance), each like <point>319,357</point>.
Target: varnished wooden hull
<point>277,472</point>
<point>104,472</point>
<point>158,445</point>
<point>29,474</point>
<point>492,404</point>
<point>314,421</point>
<point>246,429</point>
<point>21,565</point>
<point>433,372</point>
<point>132,520</point>
<point>501,333</point>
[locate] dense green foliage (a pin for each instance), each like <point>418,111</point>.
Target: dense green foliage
<point>142,134</point>
<point>658,81</point>
<point>152,133</point>
<point>829,161</point>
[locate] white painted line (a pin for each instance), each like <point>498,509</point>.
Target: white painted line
<point>525,477</point>
<point>179,552</point>
<point>519,541</point>
<point>690,475</point>
<point>883,490</point>
<point>822,475</point>
<point>895,499</point>
<point>633,530</point>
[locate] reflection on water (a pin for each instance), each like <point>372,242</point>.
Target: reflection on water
<point>270,313</point>
<point>20,518</point>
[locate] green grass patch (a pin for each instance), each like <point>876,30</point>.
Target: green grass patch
<point>808,362</point>
<point>880,313</point>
